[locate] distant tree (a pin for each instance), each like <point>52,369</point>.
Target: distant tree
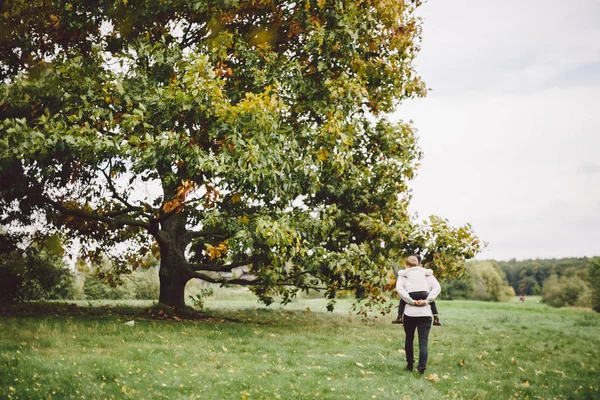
<point>488,281</point>
<point>512,271</point>
<point>566,291</point>
<point>528,285</point>
<point>241,142</point>
<point>594,276</point>
<point>37,272</point>
<point>146,284</point>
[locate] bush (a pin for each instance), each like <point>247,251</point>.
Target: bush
<point>594,279</point>
<point>140,285</point>
<point>95,289</point>
<point>456,289</point>
<point>566,291</point>
<point>36,273</point>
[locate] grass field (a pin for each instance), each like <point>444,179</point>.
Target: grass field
<point>244,351</point>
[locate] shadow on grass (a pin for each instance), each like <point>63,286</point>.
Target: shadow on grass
<point>154,312</point>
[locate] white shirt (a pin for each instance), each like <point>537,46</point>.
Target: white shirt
<point>415,279</point>
<point>433,287</point>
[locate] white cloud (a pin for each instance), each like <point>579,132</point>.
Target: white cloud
<point>511,138</point>
<point>509,45</point>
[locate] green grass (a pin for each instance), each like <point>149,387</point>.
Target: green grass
<point>243,351</point>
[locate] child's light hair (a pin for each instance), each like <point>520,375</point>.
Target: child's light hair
<point>411,261</point>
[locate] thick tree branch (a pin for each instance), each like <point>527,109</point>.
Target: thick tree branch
<point>234,281</point>
<point>196,267</point>
<point>96,217</point>
<point>251,280</point>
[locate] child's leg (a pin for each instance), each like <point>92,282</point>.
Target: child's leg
<point>434,309</point>
<point>401,308</point>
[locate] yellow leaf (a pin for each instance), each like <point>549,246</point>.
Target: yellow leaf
<point>433,378</point>
<point>322,155</point>
<point>360,365</point>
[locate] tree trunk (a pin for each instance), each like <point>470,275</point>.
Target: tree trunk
<point>173,274</point>
<point>172,286</point>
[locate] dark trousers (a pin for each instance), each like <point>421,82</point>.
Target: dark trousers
<point>422,325</point>
<point>417,296</point>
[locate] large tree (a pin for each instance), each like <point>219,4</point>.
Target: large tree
<point>242,141</point>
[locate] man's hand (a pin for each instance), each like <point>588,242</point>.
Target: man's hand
<point>420,303</point>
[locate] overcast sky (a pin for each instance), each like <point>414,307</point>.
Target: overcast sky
<point>511,127</point>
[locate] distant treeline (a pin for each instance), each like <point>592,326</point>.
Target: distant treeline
<point>527,277</point>
<point>561,282</point>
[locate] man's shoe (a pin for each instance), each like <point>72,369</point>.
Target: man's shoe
<point>436,322</point>
<point>409,368</point>
<point>398,320</point>
<point>421,370</point>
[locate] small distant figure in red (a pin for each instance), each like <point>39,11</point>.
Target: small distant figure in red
<point>522,298</point>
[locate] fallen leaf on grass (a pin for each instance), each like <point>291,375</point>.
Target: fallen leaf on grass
<point>433,378</point>
<point>360,365</point>
<point>362,371</point>
<point>525,384</point>
<point>339,355</point>
<point>560,372</point>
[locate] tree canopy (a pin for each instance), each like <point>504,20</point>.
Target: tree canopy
<point>241,141</point>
